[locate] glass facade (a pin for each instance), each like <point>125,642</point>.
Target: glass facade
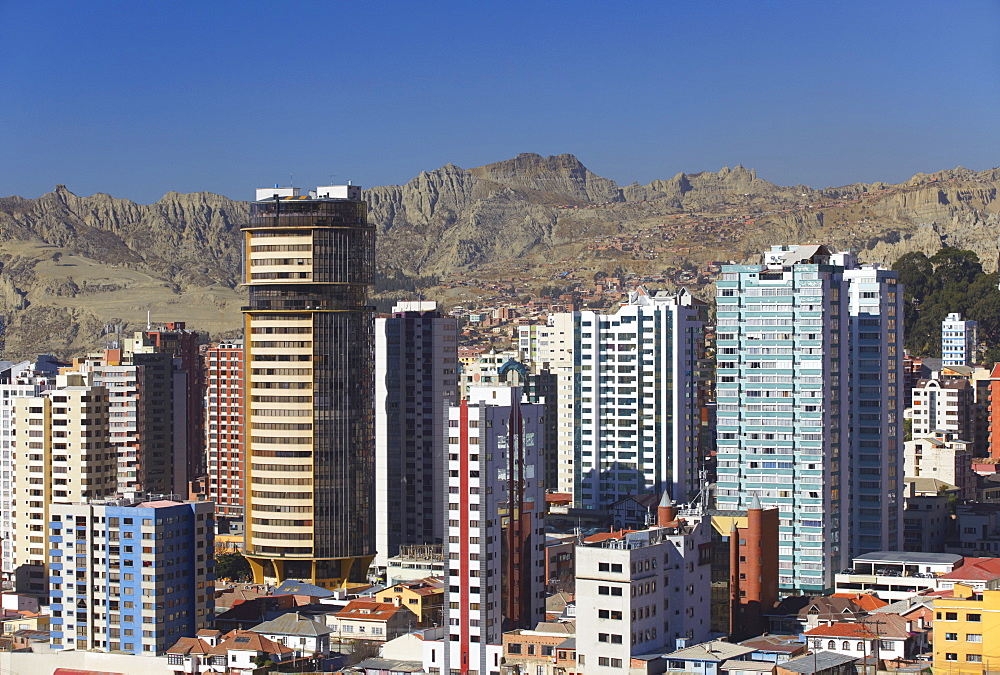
<point>308,265</point>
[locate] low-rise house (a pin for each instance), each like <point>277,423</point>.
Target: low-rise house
<point>975,573</point>
<point>424,597</point>
<point>738,667</point>
<point>887,636</point>
<point>797,614</point>
<point>819,663</point>
<point>297,632</point>
<point>775,648</point>
<point>238,653</point>
<point>706,658</point>
<point>371,621</point>
<point>12,621</point>
<point>549,649</point>
<point>243,615</point>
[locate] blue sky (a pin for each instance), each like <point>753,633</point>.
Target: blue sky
<point>140,98</point>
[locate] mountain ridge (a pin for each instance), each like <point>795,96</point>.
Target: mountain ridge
<point>99,261</point>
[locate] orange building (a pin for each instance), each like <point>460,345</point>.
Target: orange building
<point>994,416</point>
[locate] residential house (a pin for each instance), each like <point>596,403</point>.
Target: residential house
<point>887,636</point>
<point>775,648</point>
<point>548,649</point>
<point>237,653</point>
<point>797,614</point>
<point>424,597</point>
<point>819,663</point>
<point>706,658</point>
<point>371,621</point>
<point>297,632</point>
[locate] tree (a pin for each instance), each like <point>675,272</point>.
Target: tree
<point>232,566</point>
<point>953,265</point>
<point>916,273</point>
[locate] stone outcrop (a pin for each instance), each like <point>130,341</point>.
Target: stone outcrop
<point>71,265</point>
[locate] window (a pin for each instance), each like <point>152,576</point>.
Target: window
<point>973,637</point>
<point>951,656</point>
<point>974,658</point>
<point>972,617</point>
<point>951,636</point>
<point>951,616</point>
<point>616,663</point>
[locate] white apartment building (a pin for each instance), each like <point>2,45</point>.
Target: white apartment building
<point>638,593</point>
<point>959,341</point>
<point>943,406</point>
<point>17,380</point>
<point>416,373</point>
<point>496,527</point>
<point>631,419</point>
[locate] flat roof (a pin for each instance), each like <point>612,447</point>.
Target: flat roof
<point>914,557</point>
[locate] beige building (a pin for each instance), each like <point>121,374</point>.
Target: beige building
<point>63,455</point>
<point>944,457</point>
<point>310,386</point>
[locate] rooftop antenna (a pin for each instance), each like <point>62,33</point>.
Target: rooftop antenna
<point>291,183</point>
<point>149,320</point>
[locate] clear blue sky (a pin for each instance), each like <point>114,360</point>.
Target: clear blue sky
<point>139,98</point>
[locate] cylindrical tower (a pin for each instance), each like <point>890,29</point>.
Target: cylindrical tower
<point>309,387</point>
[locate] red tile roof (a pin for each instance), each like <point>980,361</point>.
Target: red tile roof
<point>367,610</point>
<point>975,569</point>
<point>866,601</point>
<point>186,646</point>
<point>886,626</point>
<point>247,641</point>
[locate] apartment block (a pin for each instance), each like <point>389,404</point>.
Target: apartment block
<point>64,455</point>
<point>942,406</point>
<point>496,527</point>
<point>959,341</point>
<point>17,380</point>
<point>809,356</point>
<point>224,440</point>
<point>965,627</point>
<point>310,352</point>
<point>416,378</point>
<point>638,592</point>
<point>127,575</point>
<point>635,419</point>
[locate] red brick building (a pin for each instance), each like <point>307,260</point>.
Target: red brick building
<point>224,440</point>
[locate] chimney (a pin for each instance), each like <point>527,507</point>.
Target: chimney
<point>666,512</point>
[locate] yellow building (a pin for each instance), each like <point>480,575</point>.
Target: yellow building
<point>15,621</point>
<point>63,455</point>
<point>423,597</point>
<point>967,632</point>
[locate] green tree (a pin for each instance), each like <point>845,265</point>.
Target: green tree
<point>232,566</point>
<point>953,265</point>
<point>916,273</point>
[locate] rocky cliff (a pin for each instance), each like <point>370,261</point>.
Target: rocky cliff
<point>73,269</point>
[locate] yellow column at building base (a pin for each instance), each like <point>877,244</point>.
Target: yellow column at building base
<point>352,571</point>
